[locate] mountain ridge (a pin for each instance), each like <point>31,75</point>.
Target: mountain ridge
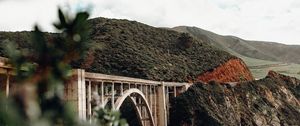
<point>256,54</point>
<point>257,49</point>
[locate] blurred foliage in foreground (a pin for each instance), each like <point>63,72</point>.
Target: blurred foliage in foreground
<point>41,73</point>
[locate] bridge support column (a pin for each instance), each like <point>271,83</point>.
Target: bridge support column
<point>161,106</point>
<point>7,83</point>
<point>75,93</point>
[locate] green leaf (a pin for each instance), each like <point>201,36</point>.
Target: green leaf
<point>80,21</point>
<point>81,17</point>
<point>62,18</point>
<point>39,42</point>
<point>58,26</point>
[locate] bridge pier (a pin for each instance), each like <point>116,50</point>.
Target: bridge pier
<point>75,93</point>
<point>161,106</point>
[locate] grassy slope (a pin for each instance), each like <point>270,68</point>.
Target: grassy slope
<point>259,55</point>
<point>230,44</point>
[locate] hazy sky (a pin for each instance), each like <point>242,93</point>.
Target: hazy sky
<point>268,20</point>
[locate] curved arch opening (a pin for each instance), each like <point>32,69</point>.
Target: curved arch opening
<point>129,113</point>
<point>138,94</point>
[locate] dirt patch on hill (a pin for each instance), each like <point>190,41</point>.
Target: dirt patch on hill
<point>234,70</point>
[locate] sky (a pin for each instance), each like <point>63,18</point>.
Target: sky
<point>265,20</point>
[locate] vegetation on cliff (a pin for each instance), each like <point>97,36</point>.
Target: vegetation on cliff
<point>273,100</point>
<point>129,48</point>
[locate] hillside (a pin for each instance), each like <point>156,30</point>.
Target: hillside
<point>254,49</point>
<point>259,56</point>
<point>274,100</point>
<point>129,48</point>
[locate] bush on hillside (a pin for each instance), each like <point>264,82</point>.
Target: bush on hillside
<point>185,41</point>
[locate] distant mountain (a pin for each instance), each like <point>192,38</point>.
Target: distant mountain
<point>259,56</point>
<point>254,49</point>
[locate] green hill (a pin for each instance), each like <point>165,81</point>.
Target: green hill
<point>129,48</point>
<point>259,56</point>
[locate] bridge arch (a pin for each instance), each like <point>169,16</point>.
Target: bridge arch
<point>138,95</point>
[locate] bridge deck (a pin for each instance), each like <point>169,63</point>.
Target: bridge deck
<point>98,76</point>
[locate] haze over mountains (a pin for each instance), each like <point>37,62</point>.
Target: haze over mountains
<point>259,56</point>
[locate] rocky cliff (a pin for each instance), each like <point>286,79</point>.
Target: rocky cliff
<point>273,100</point>
<point>234,70</point>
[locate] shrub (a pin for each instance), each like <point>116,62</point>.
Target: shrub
<point>185,40</point>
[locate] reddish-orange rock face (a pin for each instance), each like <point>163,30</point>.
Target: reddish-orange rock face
<point>234,70</point>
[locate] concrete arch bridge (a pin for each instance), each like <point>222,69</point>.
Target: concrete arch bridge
<point>88,91</point>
